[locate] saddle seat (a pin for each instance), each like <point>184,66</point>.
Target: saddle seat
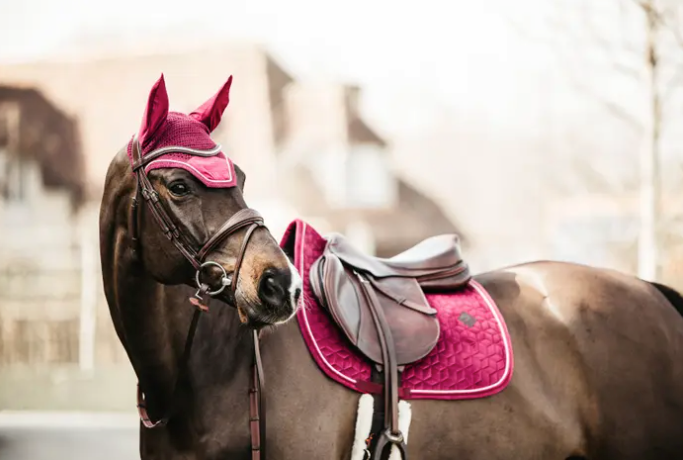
<point>434,252</point>
<point>436,258</point>
<point>347,281</point>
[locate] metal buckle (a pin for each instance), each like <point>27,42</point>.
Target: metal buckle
<point>225,279</point>
<point>394,438</point>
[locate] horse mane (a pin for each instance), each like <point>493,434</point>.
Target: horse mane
<point>673,296</point>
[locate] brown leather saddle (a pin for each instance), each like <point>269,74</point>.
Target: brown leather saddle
<point>381,307</point>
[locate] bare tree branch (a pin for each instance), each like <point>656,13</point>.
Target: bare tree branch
<point>624,9</point>
<point>597,39</point>
<point>627,71</point>
<point>672,29</point>
<point>612,107</point>
<point>673,83</point>
<point>591,36</point>
<point>660,16</point>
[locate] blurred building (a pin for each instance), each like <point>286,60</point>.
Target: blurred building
<point>41,188</point>
<point>341,173</point>
<point>305,147</point>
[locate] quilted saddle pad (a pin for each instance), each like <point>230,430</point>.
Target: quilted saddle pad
<point>472,359</point>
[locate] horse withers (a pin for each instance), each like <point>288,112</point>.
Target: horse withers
<point>598,355</point>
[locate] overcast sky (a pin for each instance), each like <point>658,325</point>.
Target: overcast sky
<point>410,57</point>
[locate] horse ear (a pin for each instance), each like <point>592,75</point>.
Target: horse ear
<point>211,111</point>
<point>156,111</point>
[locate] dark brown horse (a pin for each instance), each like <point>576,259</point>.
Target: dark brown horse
<point>598,354</point>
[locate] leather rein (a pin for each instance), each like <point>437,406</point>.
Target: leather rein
<point>248,218</point>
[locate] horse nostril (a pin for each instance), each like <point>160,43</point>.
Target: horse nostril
<point>273,287</point>
<point>270,287</point>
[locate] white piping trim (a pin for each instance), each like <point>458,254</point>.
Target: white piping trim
<point>227,161</point>
<point>180,149</point>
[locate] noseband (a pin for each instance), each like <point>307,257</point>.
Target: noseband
<point>244,218</point>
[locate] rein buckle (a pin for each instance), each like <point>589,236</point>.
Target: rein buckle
<point>197,300</point>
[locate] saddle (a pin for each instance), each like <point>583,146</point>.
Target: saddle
<point>380,306</point>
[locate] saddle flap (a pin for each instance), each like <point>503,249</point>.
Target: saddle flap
<point>413,323</point>
<point>334,289</point>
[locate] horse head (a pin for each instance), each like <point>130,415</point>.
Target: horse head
<point>197,229</point>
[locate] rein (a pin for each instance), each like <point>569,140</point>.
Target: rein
<point>248,218</point>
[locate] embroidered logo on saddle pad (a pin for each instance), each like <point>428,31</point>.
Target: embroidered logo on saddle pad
<point>183,141</point>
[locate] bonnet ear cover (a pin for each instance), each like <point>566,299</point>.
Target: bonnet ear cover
<point>184,141</point>
<point>210,112</point>
<point>156,112</point>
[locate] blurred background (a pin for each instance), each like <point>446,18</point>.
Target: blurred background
<point>534,129</point>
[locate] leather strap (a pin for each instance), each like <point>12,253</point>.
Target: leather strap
<point>257,404</point>
<point>240,219</point>
<point>392,433</point>
<point>168,227</point>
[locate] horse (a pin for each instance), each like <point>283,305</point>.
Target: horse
<point>598,354</point>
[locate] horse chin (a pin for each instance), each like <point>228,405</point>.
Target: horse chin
<point>254,319</point>
<point>256,315</point>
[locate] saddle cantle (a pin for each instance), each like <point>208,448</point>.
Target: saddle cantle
<point>380,306</point>
<point>338,276</point>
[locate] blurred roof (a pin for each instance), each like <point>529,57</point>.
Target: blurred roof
<point>358,131</point>
<point>107,94</point>
<point>414,218</point>
<point>48,136</point>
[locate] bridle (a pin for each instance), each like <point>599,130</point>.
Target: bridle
<point>248,218</point>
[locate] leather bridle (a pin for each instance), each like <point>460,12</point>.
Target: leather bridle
<point>248,218</point>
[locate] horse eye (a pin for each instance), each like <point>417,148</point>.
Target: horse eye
<point>178,188</point>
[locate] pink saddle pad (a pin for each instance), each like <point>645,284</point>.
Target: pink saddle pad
<point>472,358</point>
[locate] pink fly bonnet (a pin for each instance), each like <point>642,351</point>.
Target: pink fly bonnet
<point>183,141</point>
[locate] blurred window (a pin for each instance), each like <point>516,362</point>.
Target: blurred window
<point>370,183</point>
